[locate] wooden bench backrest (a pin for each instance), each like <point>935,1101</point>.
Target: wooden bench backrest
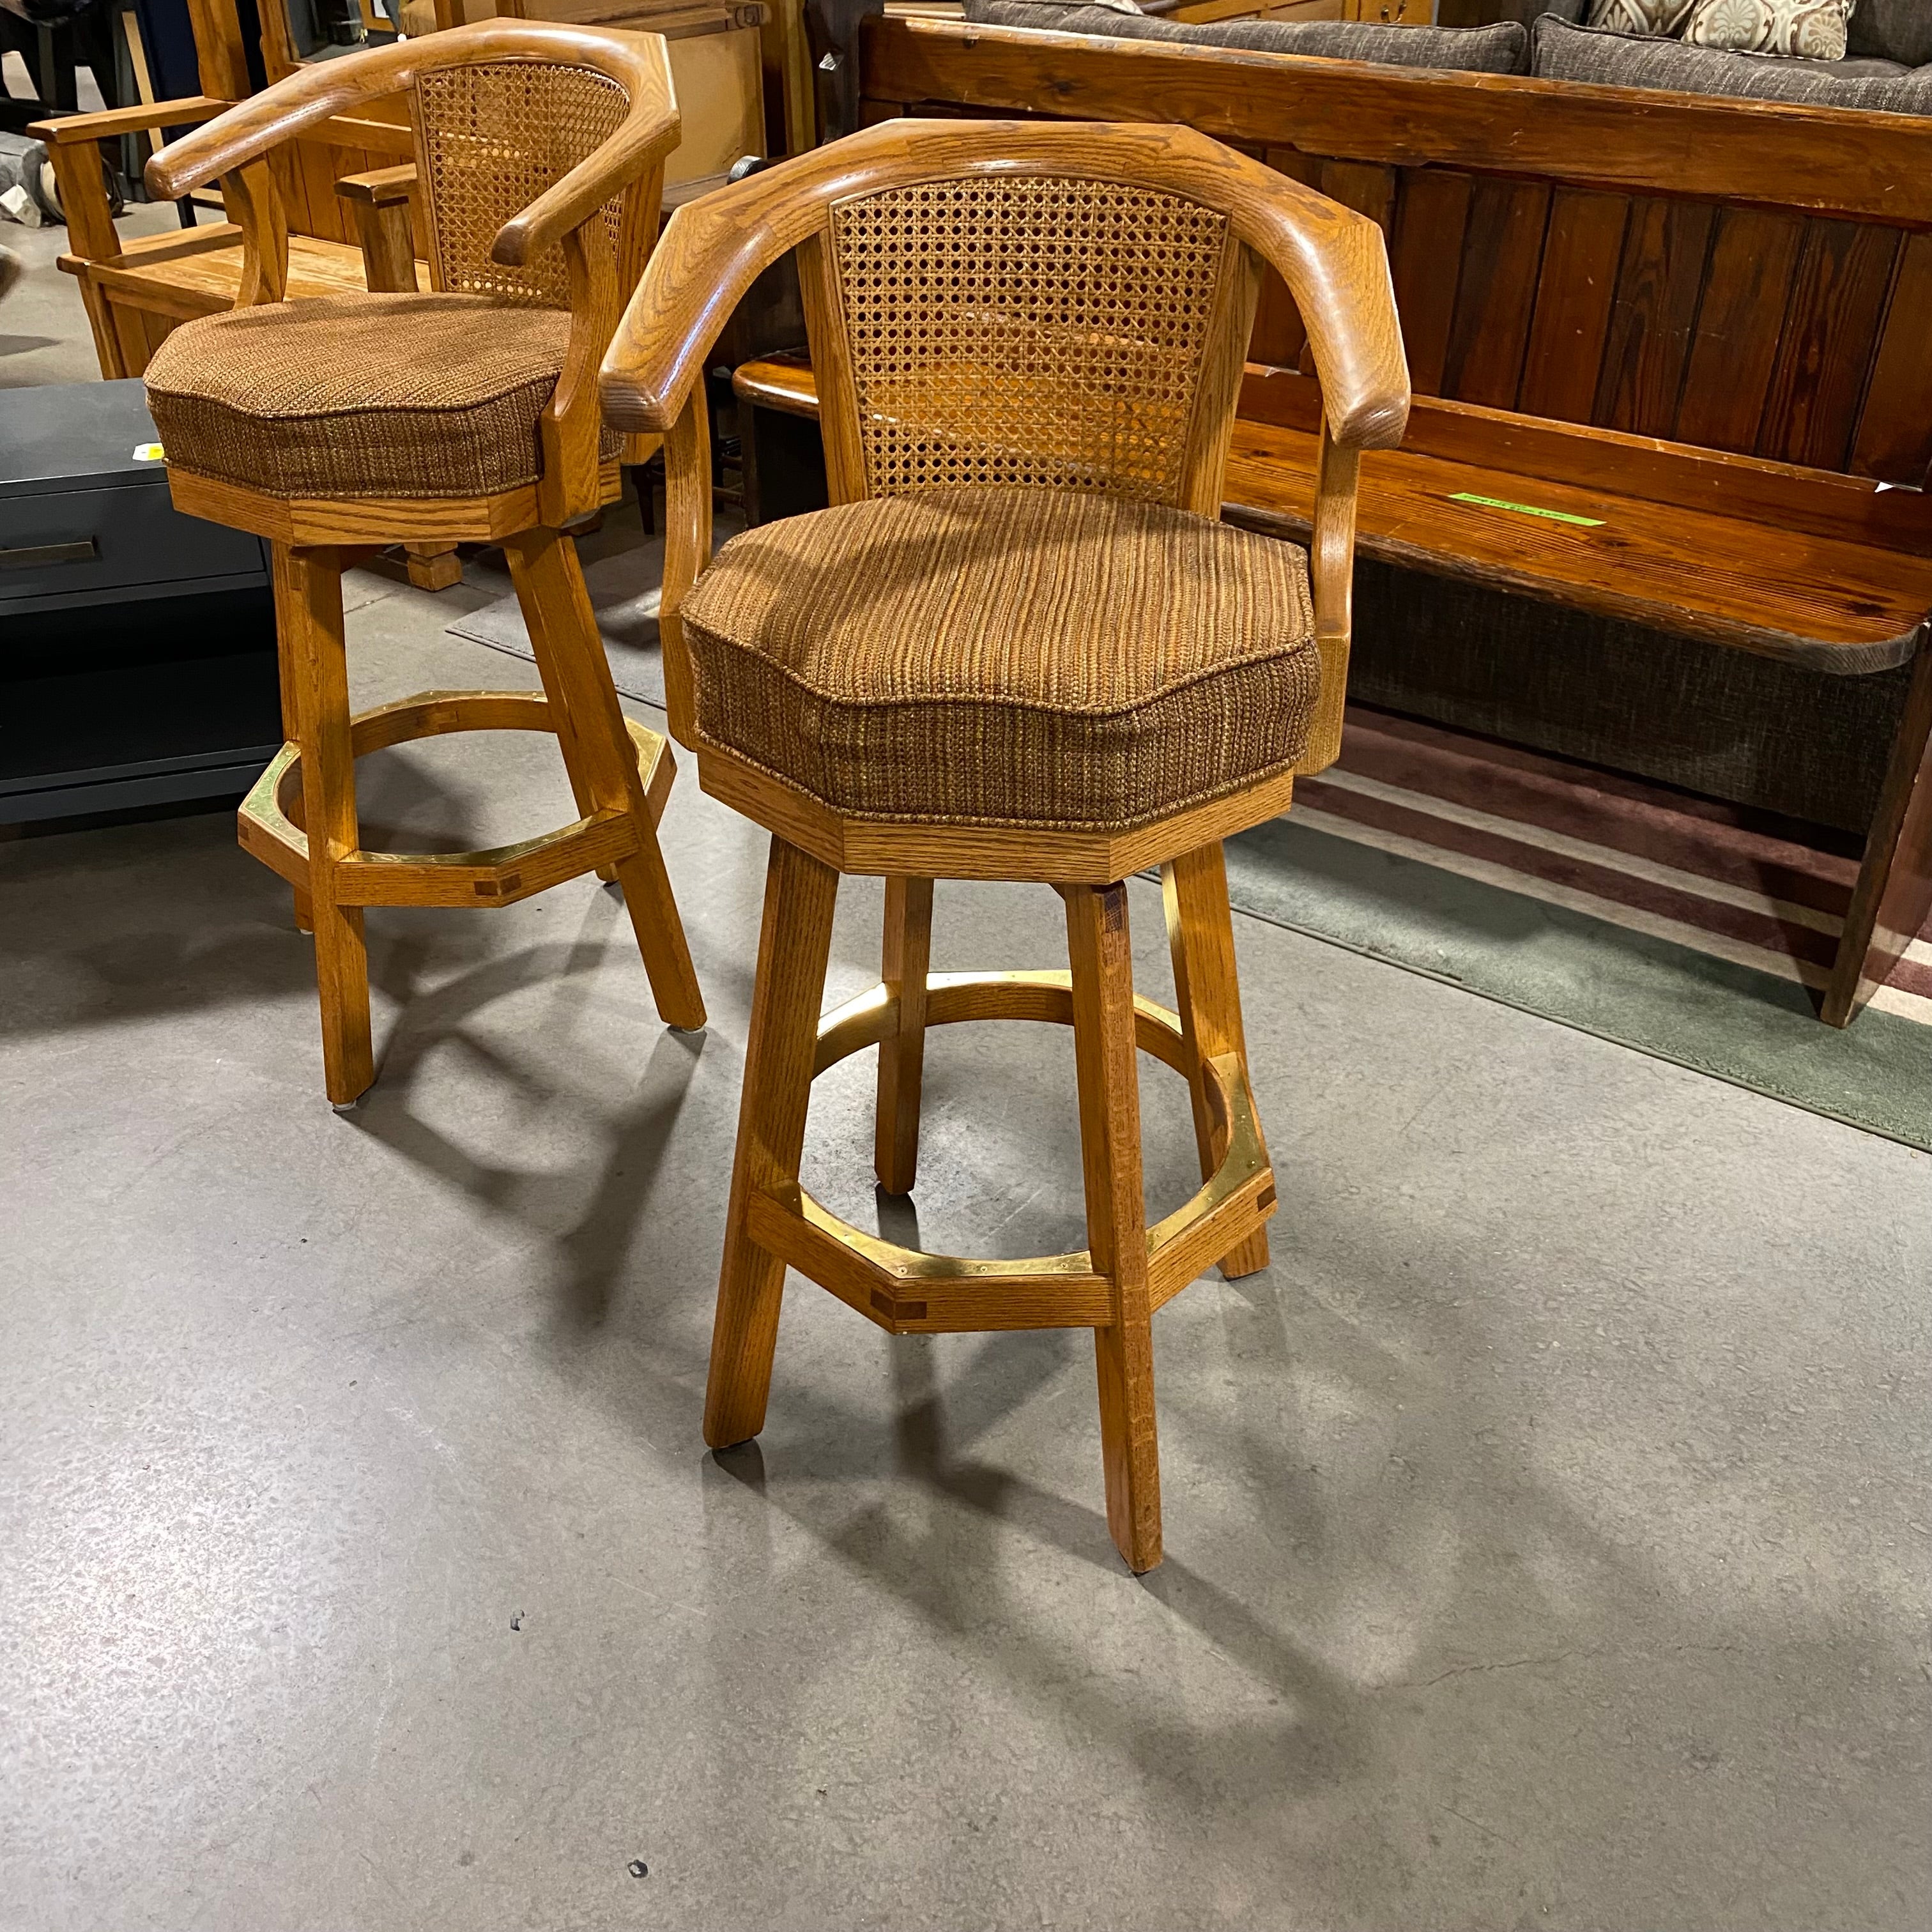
<point>1736,275</point>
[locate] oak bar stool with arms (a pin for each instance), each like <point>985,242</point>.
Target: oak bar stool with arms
<point>1019,646</point>
<point>469,413</point>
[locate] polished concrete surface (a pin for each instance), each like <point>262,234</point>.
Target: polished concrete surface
<point>1547,1529</point>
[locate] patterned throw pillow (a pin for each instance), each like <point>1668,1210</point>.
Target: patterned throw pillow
<point>1810,29</point>
<point>1657,19</point>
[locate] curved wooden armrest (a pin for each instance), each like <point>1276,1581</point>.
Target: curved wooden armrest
<point>646,135</point>
<point>111,121</point>
<point>247,131</point>
<point>380,187</point>
<point>1332,258</point>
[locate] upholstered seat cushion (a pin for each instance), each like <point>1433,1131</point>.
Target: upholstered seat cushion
<point>361,395</point>
<point>1022,657</point>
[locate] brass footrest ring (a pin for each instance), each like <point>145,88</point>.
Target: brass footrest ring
<point>912,1292</point>
<point>500,876</point>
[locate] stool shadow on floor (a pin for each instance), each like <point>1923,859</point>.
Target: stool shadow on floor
<point>593,1246</point>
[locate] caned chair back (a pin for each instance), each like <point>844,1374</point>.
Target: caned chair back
<point>491,138</point>
<point>1045,329</point>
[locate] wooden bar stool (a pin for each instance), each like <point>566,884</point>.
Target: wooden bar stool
<point>1020,645</point>
<point>465,414</point>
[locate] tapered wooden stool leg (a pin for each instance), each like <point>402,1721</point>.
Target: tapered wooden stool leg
<point>308,617</point>
<point>286,671</point>
<point>793,947</point>
<point>577,681</point>
<point>907,956</point>
<point>1201,937</point>
<point>1110,1151</point>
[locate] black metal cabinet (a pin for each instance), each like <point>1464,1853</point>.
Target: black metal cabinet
<point>137,646</point>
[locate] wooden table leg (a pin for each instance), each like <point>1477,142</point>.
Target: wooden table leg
<point>908,954</point>
<point>1201,937</point>
<point>577,681</point>
<point>308,616</point>
<point>1110,1151</point>
<point>794,945</point>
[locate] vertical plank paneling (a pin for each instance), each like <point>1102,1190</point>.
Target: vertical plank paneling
<point>1369,188</point>
<point>1278,337</point>
<point>1747,290</point>
<point>1665,247</point>
<point>1844,272</point>
<point>1502,259</point>
<point>1432,213</point>
<point>1573,295</point>
<point>1894,435</point>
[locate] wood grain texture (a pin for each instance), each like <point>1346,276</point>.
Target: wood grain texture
<point>906,959</point>
<point>308,616</point>
<point>1279,336</point>
<point>1495,296</point>
<point>1101,958</point>
<point>1207,996</point>
<point>576,674</point>
<point>793,943</point>
<point>1637,140</point>
<point>1333,260</point>
<point>311,96</point>
<point>1432,218</point>
<point>1658,284</point>
<point>1747,288</point>
<point>1894,435</point>
<point>1575,291</point>
<point>883,848</point>
<point>1837,296</point>
<point>1838,606</point>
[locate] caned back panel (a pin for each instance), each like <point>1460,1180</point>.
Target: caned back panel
<point>1027,330</point>
<point>491,139</point>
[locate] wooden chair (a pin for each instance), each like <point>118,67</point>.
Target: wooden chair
<point>465,414</point>
<point>1019,646</point>
<point>346,204</point>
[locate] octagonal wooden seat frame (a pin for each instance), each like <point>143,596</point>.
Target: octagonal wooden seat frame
<point>1334,263</point>
<point>301,818</point>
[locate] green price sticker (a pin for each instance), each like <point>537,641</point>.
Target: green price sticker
<point>1525,509</point>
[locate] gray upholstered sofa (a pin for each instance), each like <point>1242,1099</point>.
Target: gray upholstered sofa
<point>1889,66</point>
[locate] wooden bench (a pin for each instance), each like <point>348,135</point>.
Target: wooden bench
<point>1673,359</point>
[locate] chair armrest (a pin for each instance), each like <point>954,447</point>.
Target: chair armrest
<point>379,201</point>
<point>648,133</point>
<point>248,130</point>
<point>1333,259</point>
<point>113,121</point>
<point>380,187</point>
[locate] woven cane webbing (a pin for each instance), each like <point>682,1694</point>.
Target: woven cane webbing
<point>1020,657</point>
<point>493,138</point>
<point>1029,329</point>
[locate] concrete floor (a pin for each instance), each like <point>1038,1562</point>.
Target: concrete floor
<point>1547,1529</point>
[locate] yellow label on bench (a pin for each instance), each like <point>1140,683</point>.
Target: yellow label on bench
<point>1524,509</point>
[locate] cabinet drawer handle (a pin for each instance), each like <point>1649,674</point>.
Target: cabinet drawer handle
<point>33,555</point>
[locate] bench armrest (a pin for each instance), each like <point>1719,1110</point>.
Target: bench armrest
<point>380,187</point>
<point>104,126</point>
<point>379,202</point>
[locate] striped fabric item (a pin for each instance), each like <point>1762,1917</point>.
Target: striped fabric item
<point>1710,877</point>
